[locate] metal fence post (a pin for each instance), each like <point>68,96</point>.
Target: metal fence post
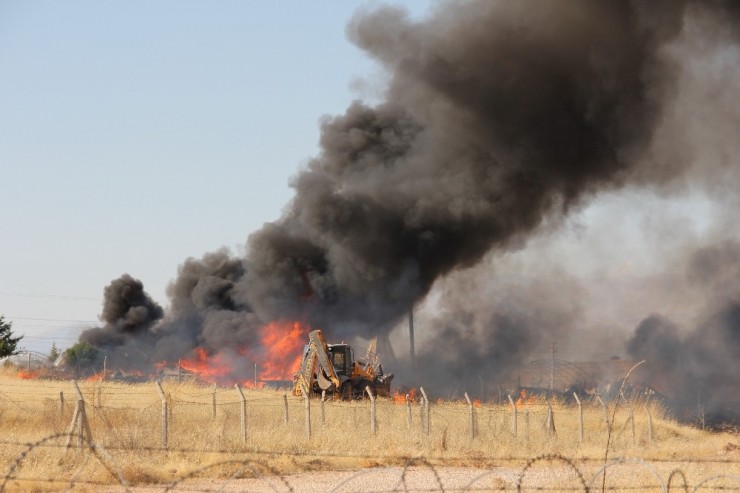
<point>580,418</point>
<point>550,421</point>
<point>426,411</point>
<point>513,415</point>
<point>213,402</point>
<point>165,423</point>
<point>307,405</point>
<point>323,401</point>
<point>472,416</point>
<point>243,412</point>
<point>408,413</point>
<point>373,422</point>
<point>606,411</point>
<point>79,418</point>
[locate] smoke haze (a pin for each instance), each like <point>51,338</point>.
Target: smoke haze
<point>501,123</point>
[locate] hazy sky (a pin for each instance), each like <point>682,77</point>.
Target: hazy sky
<point>136,134</point>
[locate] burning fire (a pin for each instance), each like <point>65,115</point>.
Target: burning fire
<point>524,399</point>
<point>277,358</point>
<point>207,368</point>
<point>28,374</point>
<point>400,397</point>
<point>283,346</point>
<point>98,377</point>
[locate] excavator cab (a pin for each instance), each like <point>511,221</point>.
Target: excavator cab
<point>342,358</point>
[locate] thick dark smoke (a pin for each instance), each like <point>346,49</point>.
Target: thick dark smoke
<point>700,372</point>
<point>128,315</point>
<point>499,116</point>
<point>500,119</point>
<point>204,312</point>
<point>657,341</point>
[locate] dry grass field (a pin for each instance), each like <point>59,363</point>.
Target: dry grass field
<point>206,441</point>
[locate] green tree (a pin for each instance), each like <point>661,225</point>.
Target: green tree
<point>82,355</point>
<point>8,343</point>
<point>54,352</point>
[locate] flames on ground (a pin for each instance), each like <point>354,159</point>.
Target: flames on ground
<point>273,361</point>
<point>281,349</point>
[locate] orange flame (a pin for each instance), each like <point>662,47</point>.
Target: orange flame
<point>400,397</point>
<point>522,397</point>
<point>98,377</point>
<point>277,358</point>
<point>28,375</point>
<point>209,369</point>
<point>283,343</point>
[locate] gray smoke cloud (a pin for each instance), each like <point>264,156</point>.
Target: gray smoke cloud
<point>481,329</point>
<point>500,120</point>
<point>699,368</point>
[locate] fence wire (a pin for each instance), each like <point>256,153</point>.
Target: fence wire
<point>416,474</point>
<point>221,466</point>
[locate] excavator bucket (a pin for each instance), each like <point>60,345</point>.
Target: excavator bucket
<point>324,382</point>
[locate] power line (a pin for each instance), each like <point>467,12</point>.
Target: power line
<point>59,327</point>
<point>41,337</point>
<point>51,319</point>
<point>49,296</point>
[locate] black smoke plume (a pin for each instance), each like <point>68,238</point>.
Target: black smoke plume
<point>128,315</point>
<point>500,118</point>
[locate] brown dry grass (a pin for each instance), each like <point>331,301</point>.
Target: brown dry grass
<point>125,420</point>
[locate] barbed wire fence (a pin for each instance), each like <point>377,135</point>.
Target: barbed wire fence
<point>104,445</point>
<point>416,474</point>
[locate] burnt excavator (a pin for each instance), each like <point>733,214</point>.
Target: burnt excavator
<point>333,368</point>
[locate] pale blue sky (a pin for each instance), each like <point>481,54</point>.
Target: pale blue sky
<point>134,134</point>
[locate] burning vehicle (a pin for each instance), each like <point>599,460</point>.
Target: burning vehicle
<point>332,368</point>
<point>501,120</point>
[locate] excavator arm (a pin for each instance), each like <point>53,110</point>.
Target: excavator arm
<point>317,352</point>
